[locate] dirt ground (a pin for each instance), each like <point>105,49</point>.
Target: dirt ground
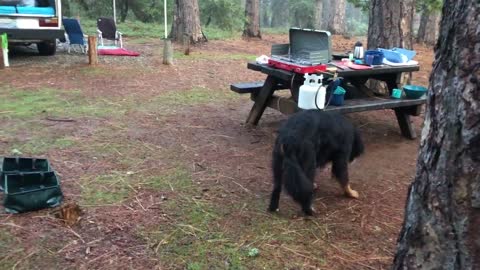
<point>168,177</point>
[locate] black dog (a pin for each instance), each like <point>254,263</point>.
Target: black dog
<point>311,139</point>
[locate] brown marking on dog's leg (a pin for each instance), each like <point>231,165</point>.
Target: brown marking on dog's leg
<point>349,192</point>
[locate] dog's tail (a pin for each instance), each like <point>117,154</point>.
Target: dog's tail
<point>296,182</point>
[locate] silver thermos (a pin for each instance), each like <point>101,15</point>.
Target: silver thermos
<point>358,52</point>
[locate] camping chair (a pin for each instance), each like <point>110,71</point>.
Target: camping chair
<point>74,34</point>
<point>107,29</point>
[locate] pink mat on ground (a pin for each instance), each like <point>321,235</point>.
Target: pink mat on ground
<point>117,51</point>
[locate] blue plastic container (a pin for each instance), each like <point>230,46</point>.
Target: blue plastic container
<point>373,57</point>
<point>414,91</point>
<point>337,100</point>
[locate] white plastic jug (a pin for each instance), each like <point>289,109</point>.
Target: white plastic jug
<point>312,93</point>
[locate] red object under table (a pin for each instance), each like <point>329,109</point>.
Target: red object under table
<point>295,67</point>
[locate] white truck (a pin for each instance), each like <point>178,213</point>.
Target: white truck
<point>32,21</point>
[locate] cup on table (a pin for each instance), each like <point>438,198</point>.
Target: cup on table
<point>369,59</point>
<point>396,93</point>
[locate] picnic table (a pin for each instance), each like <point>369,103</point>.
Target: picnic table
<point>359,97</point>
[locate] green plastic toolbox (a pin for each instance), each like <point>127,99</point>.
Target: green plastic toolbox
<point>12,165</point>
<point>31,191</point>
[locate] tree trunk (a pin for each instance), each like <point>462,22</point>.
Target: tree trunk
<point>431,34</point>
<point>422,28</point>
<point>428,29</point>
<point>280,13</point>
<point>390,23</point>
<point>442,213</point>
<point>265,4</point>
<point>139,9</point>
<point>123,10</point>
<point>336,18</point>
<point>252,24</point>
<point>186,22</point>
<point>318,14</point>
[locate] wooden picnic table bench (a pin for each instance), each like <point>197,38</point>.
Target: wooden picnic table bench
<point>359,97</point>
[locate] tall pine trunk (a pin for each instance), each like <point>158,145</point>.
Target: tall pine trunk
<point>186,22</point>
<point>422,28</point>
<point>318,14</point>
<point>390,23</point>
<point>280,13</point>
<point>428,29</point>
<point>265,18</point>
<point>442,213</point>
<point>123,10</point>
<point>252,24</point>
<point>336,18</point>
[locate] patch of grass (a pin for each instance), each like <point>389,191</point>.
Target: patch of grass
<point>9,249</point>
<point>276,30</point>
<point>97,70</point>
<point>194,240</point>
<point>145,40</point>
<point>116,187</point>
<point>22,103</point>
<point>170,100</point>
<point>41,145</point>
<point>105,189</point>
<point>213,33</point>
<point>6,239</point>
<point>25,103</point>
<point>177,179</point>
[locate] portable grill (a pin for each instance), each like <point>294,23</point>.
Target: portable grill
<point>308,51</point>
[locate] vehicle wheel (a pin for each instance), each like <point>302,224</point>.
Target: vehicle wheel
<point>47,47</point>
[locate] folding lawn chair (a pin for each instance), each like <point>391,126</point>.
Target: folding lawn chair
<point>74,34</point>
<point>107,29</point>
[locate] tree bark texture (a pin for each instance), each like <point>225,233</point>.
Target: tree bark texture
<point>280,13</point>
<point>186,22</point>
<point>327,9</point>
<point>318,14</point>
<point>428,29</point>
<point>336,16</point>
<point>265,11</point>
<point>252,24</point>
<point>390,23</point>
<point>441,228</point>
<point>423,24</point>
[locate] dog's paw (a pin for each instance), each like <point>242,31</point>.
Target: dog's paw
<point>352,194</point>
<point>309,212</point>
<point>271,210</point>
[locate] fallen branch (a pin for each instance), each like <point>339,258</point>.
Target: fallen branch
<point>60,119</point>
